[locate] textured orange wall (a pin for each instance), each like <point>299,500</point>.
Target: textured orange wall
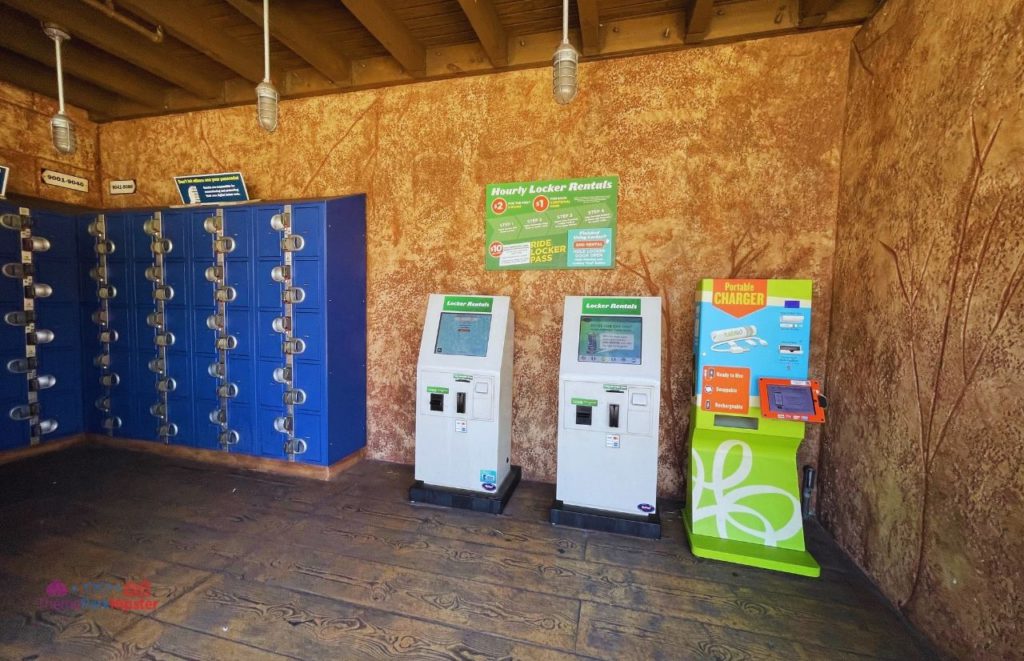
<point>729,164</point>
<point>923,460</point>
<point>26,147</point>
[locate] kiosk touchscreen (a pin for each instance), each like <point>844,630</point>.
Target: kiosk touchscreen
<point>609,396</point>
<point>751,402</point>
<point>464,395</point>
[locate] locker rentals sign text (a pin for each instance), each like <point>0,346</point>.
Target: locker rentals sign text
<point>560,224</point>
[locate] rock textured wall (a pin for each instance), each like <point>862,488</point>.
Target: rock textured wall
<point>729,166</point>
<point>26,147</point>
<point>923,459</point>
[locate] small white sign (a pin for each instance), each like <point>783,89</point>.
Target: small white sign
<point>122,186</point>
<point>63,180</point>
<point>460,426</point>
<point>612,441</point>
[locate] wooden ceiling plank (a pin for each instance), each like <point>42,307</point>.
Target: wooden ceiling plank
<point>590,26</point>
<point>389,30</point>
<point>813,12</point>
<point>698,20</point>
<point>91,26</point>
<point>23,36</point>
<point>301,37</point>
<point>191,27</point>
<point>489,31</point>
<point>29,74</point>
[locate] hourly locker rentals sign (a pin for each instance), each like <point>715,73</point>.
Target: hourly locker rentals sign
<point>561,224</point>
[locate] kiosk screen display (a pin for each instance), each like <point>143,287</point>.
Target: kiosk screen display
<point>798,400</point>
<point>611,340</point>
<point>461,334</point>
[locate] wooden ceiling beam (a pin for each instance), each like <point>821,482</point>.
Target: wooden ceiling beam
<point>35,77</point>
<point>91,26</point>
<point>590,26</point>
<point>301,37</point>
<point>187,25</point>
<point>698,20</point>
<point>392,33</point>
<point>813,12</point>
<point>24,36</point>
<point>485,21</point>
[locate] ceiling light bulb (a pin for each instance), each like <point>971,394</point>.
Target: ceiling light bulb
<point>266,105</point>
<point>564,64</point>
<point>63,133</point>
<point>563,70</point>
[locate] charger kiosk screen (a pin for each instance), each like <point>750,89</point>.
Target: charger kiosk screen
<point>463,334</point>
<point>615,340</point>
<point>795,400</point>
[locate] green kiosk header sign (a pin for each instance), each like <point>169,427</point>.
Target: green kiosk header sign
<point>560,224</point>
<point>467,304</point>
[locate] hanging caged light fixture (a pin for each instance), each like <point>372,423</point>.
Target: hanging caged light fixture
<point>266,94</point>
<point>61,128</point>
<point>564,64</point>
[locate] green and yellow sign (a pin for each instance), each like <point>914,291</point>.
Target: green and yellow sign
<point>560,224</point>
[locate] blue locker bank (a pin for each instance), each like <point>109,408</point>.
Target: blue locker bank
<point>222,329</point>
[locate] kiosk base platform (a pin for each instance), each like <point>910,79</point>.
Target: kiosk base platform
<point>490,503</point>
<point>639,525</point>
<point>790,561</point>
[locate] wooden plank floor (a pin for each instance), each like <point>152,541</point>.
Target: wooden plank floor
<point>250,566</point>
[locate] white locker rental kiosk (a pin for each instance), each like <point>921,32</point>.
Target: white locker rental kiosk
<point>464,404</point>
<point>609,398</point>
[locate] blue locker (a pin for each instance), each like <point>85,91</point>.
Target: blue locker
<point>176,274</point>
<point>117,233</point>
<point>241,372</point>
<point>177,228</point>
<point>178,322</point>
<point>140,241</point>
<point>309,327</point>
<point>308,220</point>
<point>13,433</point>
<point>179,368</point>
<point>268,240</point>
<point>10,289</point>
<point>238,224</point>
<point>203,339</point>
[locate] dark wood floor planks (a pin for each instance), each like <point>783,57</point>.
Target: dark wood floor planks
<point>250,566</point>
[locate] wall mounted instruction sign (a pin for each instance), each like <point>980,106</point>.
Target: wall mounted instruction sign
<point>560,224</point>
<point>4,171</point>
<point>212,188</point>
<point>64,180</point>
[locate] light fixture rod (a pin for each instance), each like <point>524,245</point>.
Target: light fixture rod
<point>565,21</point>
<point>60,74</point>
<point>266,40</point>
